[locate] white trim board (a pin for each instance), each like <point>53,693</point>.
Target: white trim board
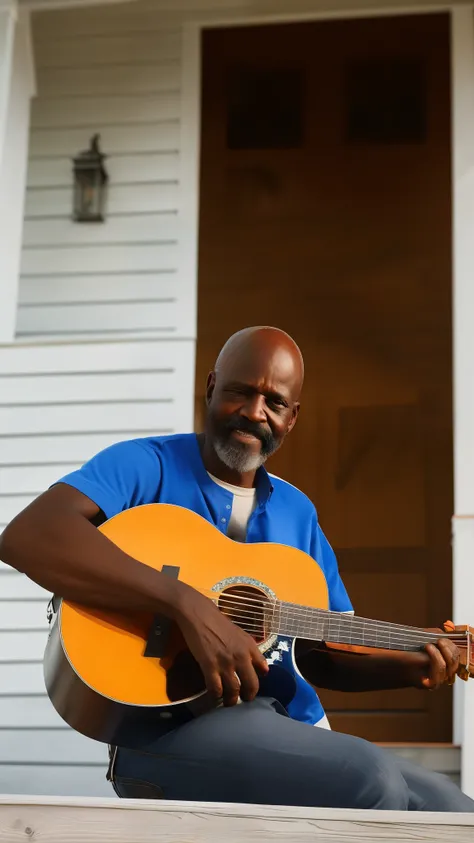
<point>17,87</point>
<point>462,58</point>
<point>263,17</point>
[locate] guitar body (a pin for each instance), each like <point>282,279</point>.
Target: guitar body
<point>113,676</point>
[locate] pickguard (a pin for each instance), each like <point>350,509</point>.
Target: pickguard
<point>280,681</point>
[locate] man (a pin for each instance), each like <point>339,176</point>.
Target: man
<point>258,751</point>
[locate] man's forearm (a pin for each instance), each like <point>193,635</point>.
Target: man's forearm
<point>349,671</point>
<point>66,555</point>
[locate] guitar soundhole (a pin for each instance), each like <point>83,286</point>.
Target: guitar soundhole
<point>247,607</point>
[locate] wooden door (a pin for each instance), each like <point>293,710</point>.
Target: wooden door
<point>325,210</point>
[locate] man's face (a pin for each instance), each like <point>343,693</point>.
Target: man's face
<point>251,408</point>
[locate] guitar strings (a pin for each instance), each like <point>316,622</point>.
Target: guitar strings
<point>383,643</point>
<point>348,636</point>
<point>251,624</point>
<point>382,630</point>
<point>309,613</point>
<point>369,641</point>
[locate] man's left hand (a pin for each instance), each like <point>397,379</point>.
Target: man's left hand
<point>345,667</point>
<point>437,665</point>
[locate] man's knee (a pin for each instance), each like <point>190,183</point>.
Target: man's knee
<point>380,783</point>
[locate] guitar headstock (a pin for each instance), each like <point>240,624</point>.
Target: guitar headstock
<point>465,645</point>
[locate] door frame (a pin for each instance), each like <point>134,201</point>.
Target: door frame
<point>462,128</point>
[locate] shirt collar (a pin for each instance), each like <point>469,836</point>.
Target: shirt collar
<point>264,486</point>
<point>263,483</point>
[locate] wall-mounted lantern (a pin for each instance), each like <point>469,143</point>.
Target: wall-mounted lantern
<point>90,181</point>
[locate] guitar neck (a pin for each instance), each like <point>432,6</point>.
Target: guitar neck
<point>339,628</point>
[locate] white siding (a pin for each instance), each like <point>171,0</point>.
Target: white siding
<point>59,405</point>
<point>122,276</point>
<point>63,780</point>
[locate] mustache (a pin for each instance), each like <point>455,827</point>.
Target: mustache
<point>255,429</point>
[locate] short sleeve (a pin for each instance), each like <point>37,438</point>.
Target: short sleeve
<point>326,558</point>
<point>122,476</point>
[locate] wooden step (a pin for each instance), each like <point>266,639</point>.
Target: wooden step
<point>141,821</point>
<point>440,757</point>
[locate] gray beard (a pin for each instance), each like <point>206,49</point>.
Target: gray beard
<point>237,458</point>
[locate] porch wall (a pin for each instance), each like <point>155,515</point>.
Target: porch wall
<point>60,404</point>
<point>107,314</point>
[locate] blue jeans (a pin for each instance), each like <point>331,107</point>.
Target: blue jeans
<point>254,753</point>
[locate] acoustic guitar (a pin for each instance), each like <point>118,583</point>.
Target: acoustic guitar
<point>113,676</point>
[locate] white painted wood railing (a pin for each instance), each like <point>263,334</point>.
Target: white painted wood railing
<point>142,821</point>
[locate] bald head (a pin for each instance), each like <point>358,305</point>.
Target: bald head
<point>266,346</point>
<point>253,397</point>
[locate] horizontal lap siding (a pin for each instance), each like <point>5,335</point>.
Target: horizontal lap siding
<point>59,405</point>
<point>122,275</point>
<point>34,712</point>
<point>56,172</point>
<point>123,199</point>
<point>64,780</point>
<point>117,140</point>
<point>122,229</point>
<point>136,109</point>
<point>42,261</point>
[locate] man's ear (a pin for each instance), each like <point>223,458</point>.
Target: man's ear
<point>211,382</point>
<point>294,416</point>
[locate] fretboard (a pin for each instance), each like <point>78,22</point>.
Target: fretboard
<point>338,628</point>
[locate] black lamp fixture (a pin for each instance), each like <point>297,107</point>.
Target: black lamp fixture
<point>90,180</point>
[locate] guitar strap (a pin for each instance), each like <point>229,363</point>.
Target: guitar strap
<point>110,770</point>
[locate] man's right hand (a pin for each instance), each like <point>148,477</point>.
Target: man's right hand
<point>227,655</point>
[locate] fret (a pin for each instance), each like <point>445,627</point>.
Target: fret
<point>287,620</point>
<point>340,629</point>
<point>271,617</point>
<point>278,625</point>
<point>307,621</point>
<point>302,622</point>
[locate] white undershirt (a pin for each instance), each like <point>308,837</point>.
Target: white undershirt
<point>244,503</point>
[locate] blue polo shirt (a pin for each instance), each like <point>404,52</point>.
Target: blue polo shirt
<point>169,469</point>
